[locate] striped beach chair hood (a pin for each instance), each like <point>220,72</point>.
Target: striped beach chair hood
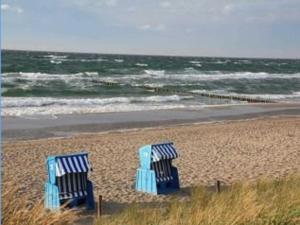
<point>72,164</point>
<point>163,151</point>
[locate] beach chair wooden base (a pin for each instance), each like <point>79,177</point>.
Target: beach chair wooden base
<point>156,175</point>
<point>54,201</point>
<point>146,182</point>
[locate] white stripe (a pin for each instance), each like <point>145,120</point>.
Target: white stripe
<point>61,168</point>
<point>173,151</point>
<point>66,165</point>
<point>157,154</point>
<point>73,170</point>
<point>166,155</point>
<point>77,165</point>
<point>58,173</point>
<point>87,162</point>
<point>169,151</point>
<point>82,164</point>
<point>160,152</point>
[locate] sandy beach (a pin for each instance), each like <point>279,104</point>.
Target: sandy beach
<point>228,151</point>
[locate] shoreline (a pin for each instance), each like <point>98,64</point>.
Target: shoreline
<point>60,126</point>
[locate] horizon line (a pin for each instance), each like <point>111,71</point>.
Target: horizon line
<point>141,54</point>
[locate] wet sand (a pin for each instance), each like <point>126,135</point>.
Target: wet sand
<point>228,151</point>
<point>30,128</point>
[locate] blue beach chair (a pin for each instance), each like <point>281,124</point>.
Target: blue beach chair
<point>68,181</point>
<point>156,174</point>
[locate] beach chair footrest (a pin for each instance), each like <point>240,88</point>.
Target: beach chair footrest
<point>63,196</point>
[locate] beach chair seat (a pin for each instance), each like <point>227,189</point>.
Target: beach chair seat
<point>68,181</point>
<point>156,174</point>
<point>162,170</point>
<point>72,185</point>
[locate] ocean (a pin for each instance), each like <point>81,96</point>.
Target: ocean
<point>52,83</point>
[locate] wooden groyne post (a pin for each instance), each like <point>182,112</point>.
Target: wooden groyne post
<point>204,94</point>
<point>218,186</point>
<point>99,208</point>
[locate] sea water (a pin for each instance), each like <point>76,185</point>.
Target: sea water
<point>42,83</point>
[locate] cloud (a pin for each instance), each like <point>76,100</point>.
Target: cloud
<point>160,27</point>
<point>111,2</point>
<point>92,5</point>
<point>8,8</point>
<point>157,27</point>
<point>131,9</point>
<point>165,4</point>
<point>188,30</point>
<point>228,9</point>
<point>5,7</point>
<point>144,27</point>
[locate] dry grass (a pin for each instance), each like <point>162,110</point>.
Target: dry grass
<point>19,210</point>
<point>266,202</point>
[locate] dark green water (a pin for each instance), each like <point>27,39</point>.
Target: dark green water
<point>53,83</point>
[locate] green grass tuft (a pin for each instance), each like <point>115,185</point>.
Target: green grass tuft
<point>266,202</point>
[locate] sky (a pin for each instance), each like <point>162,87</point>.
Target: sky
<point>229,28</point>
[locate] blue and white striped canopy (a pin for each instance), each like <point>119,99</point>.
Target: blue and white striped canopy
<point>72,164</point>
<point>163,151</point>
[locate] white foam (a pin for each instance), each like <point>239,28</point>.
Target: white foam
<point>155,72</point>
<point>194,62</point>
<point>209,76</point>
<point>153,85</point>
<point>119,60</point>
<point>141,64</point>
<point>221,62</point>
<point>221,76</point>
<point>21,106</point>
<point>56,56</point>
<point>57,59</point>
<point>152,75</point>
<point>46,76</point>
<point>90,60</point>
<point>55,62</point>
<point>294,95</point>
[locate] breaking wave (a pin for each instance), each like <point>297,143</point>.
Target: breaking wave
<point>258,96</point>
<point>19,106</point>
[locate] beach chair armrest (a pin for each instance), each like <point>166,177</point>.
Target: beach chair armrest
<point>51,196</point>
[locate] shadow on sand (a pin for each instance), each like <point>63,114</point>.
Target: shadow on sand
<point>112,208</point>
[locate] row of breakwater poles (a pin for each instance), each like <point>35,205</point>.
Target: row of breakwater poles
<point>204,94</point>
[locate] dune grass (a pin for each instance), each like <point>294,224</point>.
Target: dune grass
<point>17,209</point>
<point>265,202</point>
